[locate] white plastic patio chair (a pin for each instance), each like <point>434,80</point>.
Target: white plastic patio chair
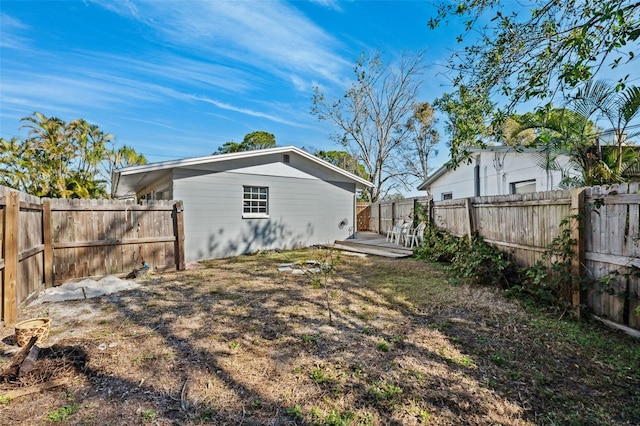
<point>405,231</point>
<point>417,236</point>
<point>393,230</point>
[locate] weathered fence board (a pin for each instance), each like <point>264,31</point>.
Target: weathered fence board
<point>48,241</point>
<point>92,239</point>
<point>613,252</point>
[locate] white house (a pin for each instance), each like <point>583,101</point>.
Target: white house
<point>498,170</point>
<point>278,198</point>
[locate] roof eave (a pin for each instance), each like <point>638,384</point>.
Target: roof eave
<point>360,182</point>
<point>424,186</point>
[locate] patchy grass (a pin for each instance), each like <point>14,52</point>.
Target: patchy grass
<point>239,342</point>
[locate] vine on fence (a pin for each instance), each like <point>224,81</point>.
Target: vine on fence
<point>551,279</point>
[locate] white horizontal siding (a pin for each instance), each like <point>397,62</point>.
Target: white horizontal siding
<point>303,210</point>
<point>497,172</point>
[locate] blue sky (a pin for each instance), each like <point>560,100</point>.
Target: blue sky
<point>177,79</point>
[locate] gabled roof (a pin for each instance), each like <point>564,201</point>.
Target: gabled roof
<point>125,180</point>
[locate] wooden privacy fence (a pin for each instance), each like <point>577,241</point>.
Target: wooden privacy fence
<point>384,213</point>
<point>604,222</point>
<point>44,242</point>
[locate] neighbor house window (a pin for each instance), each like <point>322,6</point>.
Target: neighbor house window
<point>255,201</point>
<point>523,187</point>
<point>447,196</point>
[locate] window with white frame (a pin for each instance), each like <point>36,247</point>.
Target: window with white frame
<point>255,201</point>
<point>446,196</point>
<point>523,187</point>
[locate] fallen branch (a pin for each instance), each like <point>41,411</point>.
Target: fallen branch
<point>34,389</point>
<point>630,331</point>
<point>11,369</point>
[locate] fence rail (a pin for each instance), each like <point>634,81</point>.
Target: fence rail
<point>44,242</point>
<point>604,223</point>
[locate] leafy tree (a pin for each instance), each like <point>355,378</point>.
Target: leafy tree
<point>467,121</point>
<point>252,141</point>
<point>370,116</point>
<point>229,147</point>
<point>514,136</point>
<point>423,136</point>
<point>557,46</point>
<point>58,159</point>
<point>346,161</point>
<point>259,140</point>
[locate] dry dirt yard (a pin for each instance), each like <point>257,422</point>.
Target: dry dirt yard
<point>238,342</point>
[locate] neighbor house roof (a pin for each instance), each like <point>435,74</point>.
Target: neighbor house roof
<point>127,180</point>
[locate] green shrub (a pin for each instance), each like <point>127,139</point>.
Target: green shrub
<point>479,263</point>
<point>474,261</point>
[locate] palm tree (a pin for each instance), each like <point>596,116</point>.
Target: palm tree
<point>62,160</point>
<point>601,101</point>
<point>49,147</point>
<point>91,145</point>
<point>562,131</point>
<point>14,170</point>
<point>124,156</point>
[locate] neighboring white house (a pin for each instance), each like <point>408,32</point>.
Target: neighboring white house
<point>278,198</point>
<point>498,170</point>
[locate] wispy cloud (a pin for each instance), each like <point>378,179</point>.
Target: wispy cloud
<point>176,69</point>
<point>78,90</point>
<point>260,114</point>
<point>270,36</point>
<point>329,4</point>
<point>10,32</point>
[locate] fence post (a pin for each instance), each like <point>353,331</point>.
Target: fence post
<point>469,214</point>
<point>577,235</point>
<point>48,243</point>
<point>178,230</point>
<point>393,213</point>
<point>11,225</point>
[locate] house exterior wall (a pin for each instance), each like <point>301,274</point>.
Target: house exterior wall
<point>304,208</point>
<point>498,172</point>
